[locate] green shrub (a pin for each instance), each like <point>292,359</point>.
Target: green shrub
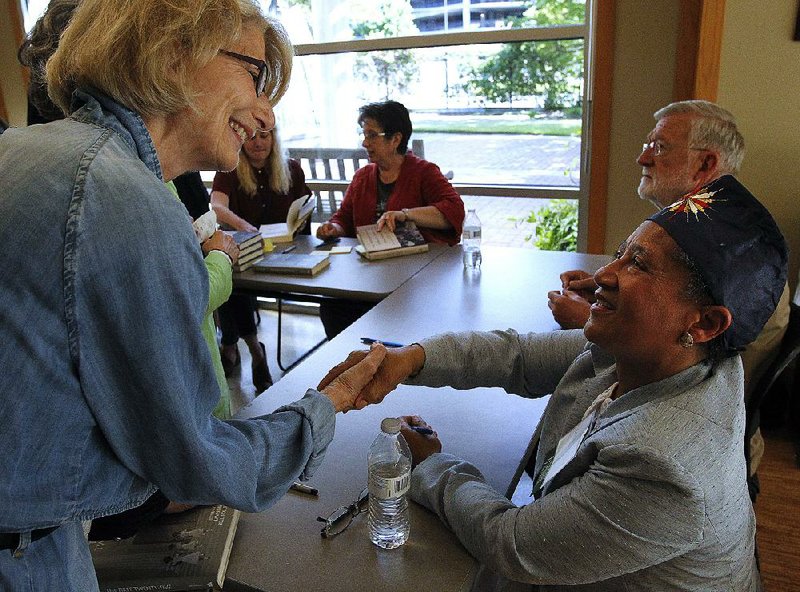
<point>556,226</point>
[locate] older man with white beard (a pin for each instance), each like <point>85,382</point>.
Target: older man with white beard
<point>692,144</point>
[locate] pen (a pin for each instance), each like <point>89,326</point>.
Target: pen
<point>303,488</point>
<point>422,430</point>
<point>370,341</point>
<point>289,249</point>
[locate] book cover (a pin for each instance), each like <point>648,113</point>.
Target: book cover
<point>299,212</point>
<point>185,551</point>
<point>249,250</point>
<point>294,263</point>
<point>243,238</point>
<point>405,240</point>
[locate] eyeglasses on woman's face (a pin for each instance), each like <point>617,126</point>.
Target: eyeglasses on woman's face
<point>369,135</point>
<point>338,520</point>
<point>260,79</point>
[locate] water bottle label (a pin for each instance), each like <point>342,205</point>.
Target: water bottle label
<point>470,233</point>
<point>389,487</point>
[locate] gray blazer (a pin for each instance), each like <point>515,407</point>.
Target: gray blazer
<point>655,498</point>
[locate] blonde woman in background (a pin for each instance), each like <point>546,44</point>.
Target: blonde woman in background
<point>259,191</point>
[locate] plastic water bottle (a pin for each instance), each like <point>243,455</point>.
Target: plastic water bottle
<point>389,480</point>
<point>471,241</point>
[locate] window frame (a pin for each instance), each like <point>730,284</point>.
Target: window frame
<point>582,32</point>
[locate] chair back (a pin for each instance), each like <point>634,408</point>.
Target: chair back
<point>329,171</point>
<point>788,352</point>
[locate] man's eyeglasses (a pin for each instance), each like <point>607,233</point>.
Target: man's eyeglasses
<point>259,79</point>
<point>371,135</point>
<point>338,521</point>
<point>659,148</point>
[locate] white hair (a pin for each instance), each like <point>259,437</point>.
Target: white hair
<point>712,127</point>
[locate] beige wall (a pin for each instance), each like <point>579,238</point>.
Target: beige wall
<point>644,56</point>
<point>760,84</point>
<point>11,81</point>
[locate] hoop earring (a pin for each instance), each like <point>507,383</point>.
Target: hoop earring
<point>686,340</point>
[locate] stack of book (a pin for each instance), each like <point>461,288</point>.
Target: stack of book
<point>251,248</point>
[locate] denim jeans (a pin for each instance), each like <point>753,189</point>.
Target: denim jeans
<point>22,570</point>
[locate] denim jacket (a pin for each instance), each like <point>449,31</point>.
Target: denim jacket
<point>107,385</point>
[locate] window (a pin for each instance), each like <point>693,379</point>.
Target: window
<point>496,89</point>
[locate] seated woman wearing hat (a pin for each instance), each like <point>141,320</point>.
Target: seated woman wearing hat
<point>639,474</point>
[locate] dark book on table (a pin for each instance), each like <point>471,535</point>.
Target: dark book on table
<point>405,240</point>
<point>294,263</point>
<point>244,239</point>
<point>185,551</point>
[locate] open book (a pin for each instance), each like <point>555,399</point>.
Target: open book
<point>284,232</point>
<point>405,240</point>
<point>185,551</point>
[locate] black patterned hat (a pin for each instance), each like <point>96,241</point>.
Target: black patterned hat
<point>738,249</point>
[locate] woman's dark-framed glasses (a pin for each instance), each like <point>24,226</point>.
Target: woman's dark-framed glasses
<point>259,79</point>
<point>338,520</point>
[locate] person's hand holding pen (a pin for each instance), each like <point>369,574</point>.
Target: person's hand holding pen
<point>398,364</point>
<point>421,438</point>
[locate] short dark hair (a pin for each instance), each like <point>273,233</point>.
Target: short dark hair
<point>697,291</point>
<point>393,118</point>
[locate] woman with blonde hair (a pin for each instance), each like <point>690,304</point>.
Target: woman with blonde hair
<point>108,386</point>
<point>259,191</point>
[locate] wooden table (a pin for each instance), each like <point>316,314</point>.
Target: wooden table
<point>281,549</point>
<point>348,276</point>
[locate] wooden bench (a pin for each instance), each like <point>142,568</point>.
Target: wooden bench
<point>329,171</point>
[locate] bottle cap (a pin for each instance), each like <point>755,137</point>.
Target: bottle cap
<point>390,425</point>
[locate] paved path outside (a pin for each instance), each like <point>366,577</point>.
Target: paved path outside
<point>506,159</point>
<point>503,159</point>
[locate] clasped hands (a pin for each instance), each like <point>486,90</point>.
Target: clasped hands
<point>570,305</point>
<point>367,376</point>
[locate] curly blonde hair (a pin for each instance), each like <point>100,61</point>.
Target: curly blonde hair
<point>143,53</point>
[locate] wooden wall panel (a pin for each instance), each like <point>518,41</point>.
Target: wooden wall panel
<point>699,47</point>
<point>601,125</point>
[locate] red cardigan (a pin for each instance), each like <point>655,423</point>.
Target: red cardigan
<point>420,183</point>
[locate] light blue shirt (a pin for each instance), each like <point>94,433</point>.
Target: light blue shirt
<point>107,385</point>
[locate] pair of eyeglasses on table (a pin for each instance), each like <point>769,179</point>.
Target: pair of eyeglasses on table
<point>342,517</point>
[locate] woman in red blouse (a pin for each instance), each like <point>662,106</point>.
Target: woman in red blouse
<point>259,191</point>
<point>396,186</point>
